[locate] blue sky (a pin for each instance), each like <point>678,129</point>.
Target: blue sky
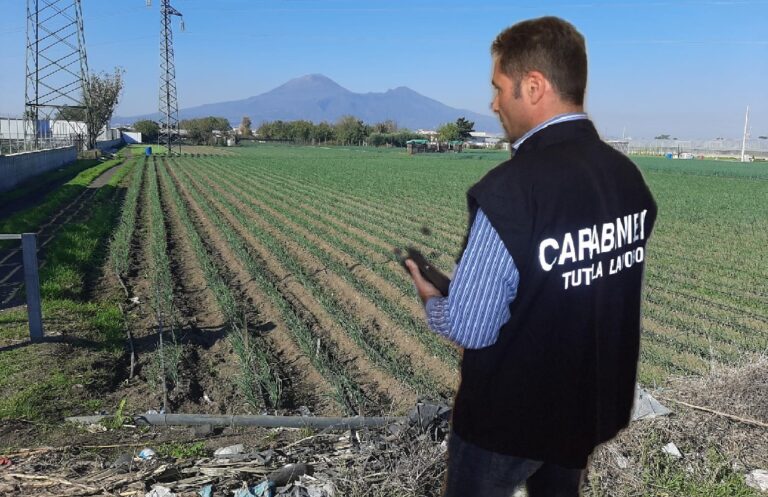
<point>685,68</point>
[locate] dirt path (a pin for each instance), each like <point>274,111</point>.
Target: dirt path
<point>11,266</point>
<point>308,384</point>
<point>106,176</point>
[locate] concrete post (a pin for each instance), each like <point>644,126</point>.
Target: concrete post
<point>32,282</point>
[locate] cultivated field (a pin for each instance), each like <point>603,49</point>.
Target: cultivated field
<point>263,280</point>
<point>288,252</point>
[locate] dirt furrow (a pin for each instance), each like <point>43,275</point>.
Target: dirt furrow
<point>396,393</point>
<point>208,372</point>
<point>136,390</point>
<point>137,280</point>
<point>310,384</point>
<point>366,310</point>
<point>389,290</point>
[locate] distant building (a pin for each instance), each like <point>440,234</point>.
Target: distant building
<point>620,145</point>
<point>483,139</point>
<point>416,146</point>
<point>429,133</point>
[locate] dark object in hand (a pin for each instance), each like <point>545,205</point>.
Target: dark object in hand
<point>428,271</point>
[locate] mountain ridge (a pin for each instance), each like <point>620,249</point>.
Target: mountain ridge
<point>317,98</point>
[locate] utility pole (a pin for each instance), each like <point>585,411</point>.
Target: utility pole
<point>169,104</point>
<point>56,66</point>
<point>744,138</point>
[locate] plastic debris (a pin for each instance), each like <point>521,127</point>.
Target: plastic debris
<point>230,450</point>
<point>672,450</point>
<point>206,491</point>
<point>158,491</point>
<point>123,462</point>
<point>4,461</point>
<point>147,454</point>
<point>289,474</point>
<point>134,300</point>
<point>426,414</point>
<point>310,490</point>
<point>96,428</point>
<point>758,479</point>
<point>646,407</point>
<point>263,489</point>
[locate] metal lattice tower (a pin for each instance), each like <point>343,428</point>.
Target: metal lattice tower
<point>169,104</point>
<point>57,66</point>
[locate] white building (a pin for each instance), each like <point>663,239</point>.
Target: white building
<point>483,139</point>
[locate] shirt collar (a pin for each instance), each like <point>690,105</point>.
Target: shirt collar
<point>560,118</point>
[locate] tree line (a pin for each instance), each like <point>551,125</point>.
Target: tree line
<point>348,130</point>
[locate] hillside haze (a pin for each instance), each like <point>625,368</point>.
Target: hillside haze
<point>318,98</point>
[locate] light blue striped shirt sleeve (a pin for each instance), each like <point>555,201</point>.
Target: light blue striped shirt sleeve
<point>484,285</point>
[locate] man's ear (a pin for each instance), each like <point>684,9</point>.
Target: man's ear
<point>535,85</point>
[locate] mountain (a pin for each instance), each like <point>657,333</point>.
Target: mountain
<point>317,98</point>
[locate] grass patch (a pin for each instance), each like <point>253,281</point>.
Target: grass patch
<point>66,374</point>
<point>42,181</point>
<point>30,219</point>
<point>181,450</point>
<point>49,380</point>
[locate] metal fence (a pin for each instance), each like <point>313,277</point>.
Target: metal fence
<point>754,149</point>
<point>16,136</point>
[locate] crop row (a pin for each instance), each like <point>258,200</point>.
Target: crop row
<point>321,354</point>
<point>120,246</point>
<point>317,222</point>
<point>310,271</point>
<point>258,382</point>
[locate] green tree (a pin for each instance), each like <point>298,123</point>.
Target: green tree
<point>661,137</point>
<point>351,131</point>
<point>323,132</point>
<point>245,126</point>
<point>448,132</point>
<point>67,113</point>
<point>301,131</point>
<point>389,126</point>
<point>101,97</point>
<point>149,130</point>
<point>201,131</point>
<point>465,127</point>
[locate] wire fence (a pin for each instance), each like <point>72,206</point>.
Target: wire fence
<point>16,136</point>
<point>754,149</point>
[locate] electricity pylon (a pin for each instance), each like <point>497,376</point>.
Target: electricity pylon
<point>169,103</point>
<point>56,67</point>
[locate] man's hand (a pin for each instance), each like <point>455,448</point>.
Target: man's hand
<point>425,289</point>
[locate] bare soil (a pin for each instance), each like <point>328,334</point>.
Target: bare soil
<point>308,387</point>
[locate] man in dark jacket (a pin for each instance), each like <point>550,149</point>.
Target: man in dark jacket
<point>546,297</point>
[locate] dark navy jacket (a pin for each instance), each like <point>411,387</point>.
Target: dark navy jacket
<point>575,215</point>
